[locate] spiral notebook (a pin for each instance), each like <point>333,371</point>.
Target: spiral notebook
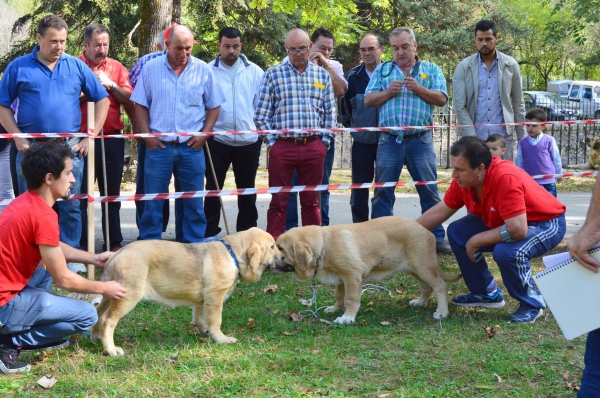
<point>573,294</point>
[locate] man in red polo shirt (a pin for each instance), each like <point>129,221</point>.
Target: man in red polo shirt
<point>510,215</point>
<point>31,257</point>
<point>115,79</point>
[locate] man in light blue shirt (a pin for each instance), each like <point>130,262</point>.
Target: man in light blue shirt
<point>176,93</point>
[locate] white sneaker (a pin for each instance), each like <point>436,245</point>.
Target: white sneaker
<point>77,268</point>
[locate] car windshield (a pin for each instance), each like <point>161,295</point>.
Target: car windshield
<point>546,98</point>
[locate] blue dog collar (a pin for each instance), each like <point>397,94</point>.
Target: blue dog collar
<point>215,239</point>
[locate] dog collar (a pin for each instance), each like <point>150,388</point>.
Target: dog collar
<point>215,239</point>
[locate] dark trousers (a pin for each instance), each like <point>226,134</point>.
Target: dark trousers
<point>245,163</point>
<point>13,167</point>
<point>363,170</point>
<point>115,153</point>
<point>590,383</point>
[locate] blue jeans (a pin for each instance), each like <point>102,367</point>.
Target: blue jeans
<point>363,170</point>
<point>419,157</point>
<point>69,211</point>
<point>188,167</point>
<point>140,189</point>
<point>550,188</point>
<point>35,316</point>
<point>513,258</point>
<point>291,218</point>
<point>590,382</point>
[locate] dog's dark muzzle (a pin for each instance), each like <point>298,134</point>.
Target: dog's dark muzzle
<point>284,268</point>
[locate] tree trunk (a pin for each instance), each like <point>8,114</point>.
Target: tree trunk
<point>156,17</point>
<point>176,15</point>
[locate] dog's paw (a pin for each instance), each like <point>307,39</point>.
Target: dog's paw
<point>115,352</point>
<point>439,315</point>
<point>333,308</point>
<point>226,340</point>
<point>344,319</point>
<point>417,303</point>
<point>95,337</point>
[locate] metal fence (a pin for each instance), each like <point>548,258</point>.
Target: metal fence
<point>571,141</point>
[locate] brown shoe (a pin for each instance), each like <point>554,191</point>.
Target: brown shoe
<point>442,247</point>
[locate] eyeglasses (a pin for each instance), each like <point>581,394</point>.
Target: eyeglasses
<point>301,50</point>
<point>326,49</point>
<point>368,50</point>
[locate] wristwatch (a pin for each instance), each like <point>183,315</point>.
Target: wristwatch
<point>327,65</point>
<point>113,87</point>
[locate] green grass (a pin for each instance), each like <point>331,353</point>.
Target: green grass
<point>413,356</point>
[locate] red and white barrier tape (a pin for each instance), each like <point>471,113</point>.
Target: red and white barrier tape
<point>276,190</point>
<point>294,131</point>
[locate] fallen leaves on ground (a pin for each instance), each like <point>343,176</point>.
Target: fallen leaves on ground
<point>270,288</point>
<point>384,323</point>
<point>251,324</point>
<point>295,317</point>
<point>490,331</point>
<point>500,380</point>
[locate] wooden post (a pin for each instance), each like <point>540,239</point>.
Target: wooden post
<point>90,187</point>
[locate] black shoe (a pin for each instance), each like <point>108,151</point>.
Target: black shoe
<point>54,345</point>
<point>442,247</point>
<point>9,360</point>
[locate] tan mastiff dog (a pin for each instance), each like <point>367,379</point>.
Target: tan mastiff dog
<point>349,255</point>
<point>202,275</point>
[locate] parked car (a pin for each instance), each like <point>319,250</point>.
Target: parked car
<point>560,87</point>
<point>556,107</point>
<point>585,96</point>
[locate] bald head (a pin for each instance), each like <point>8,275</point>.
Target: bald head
<point>297,35</point>
<point>180,32</point>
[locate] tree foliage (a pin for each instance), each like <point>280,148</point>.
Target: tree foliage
<point>553,39</point>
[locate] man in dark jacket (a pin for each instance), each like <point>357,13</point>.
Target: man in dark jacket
<point>355,114</point>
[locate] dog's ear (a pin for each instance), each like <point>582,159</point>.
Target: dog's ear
<point>254,254</point>
<point>303,255</point>
<point>596,142</point>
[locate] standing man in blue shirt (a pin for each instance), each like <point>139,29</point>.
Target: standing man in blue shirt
<point>488,90</point>
<point>176,92</point>
<point>407,90</point>
<point>49,83</point>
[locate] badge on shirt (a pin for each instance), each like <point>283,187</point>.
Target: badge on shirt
<point>319,85</point>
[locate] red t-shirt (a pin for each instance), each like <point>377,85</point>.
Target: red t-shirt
<point>25,223</point>
<point>508,191</point>
<point>120,75</point>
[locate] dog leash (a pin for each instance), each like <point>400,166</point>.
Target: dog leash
<point>365,288</point>
<point>215,239</point>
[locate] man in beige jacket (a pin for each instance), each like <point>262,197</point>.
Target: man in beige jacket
<point>487,90</point>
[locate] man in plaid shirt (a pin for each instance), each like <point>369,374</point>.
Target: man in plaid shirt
<point>296,94</point>
<point>407,90</point>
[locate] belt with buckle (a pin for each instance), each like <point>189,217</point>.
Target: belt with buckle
<point>416,135</point>
<point>300,141</point>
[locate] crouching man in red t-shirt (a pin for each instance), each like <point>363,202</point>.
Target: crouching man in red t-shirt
<point>31,318</point>
<point>510,215</point>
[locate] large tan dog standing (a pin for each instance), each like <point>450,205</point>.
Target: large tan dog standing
<point>349,255</point>
<point>202,275</point>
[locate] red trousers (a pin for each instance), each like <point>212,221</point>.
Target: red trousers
<point>307,159</point>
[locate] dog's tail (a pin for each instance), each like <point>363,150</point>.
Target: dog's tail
<point>449,278</point>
